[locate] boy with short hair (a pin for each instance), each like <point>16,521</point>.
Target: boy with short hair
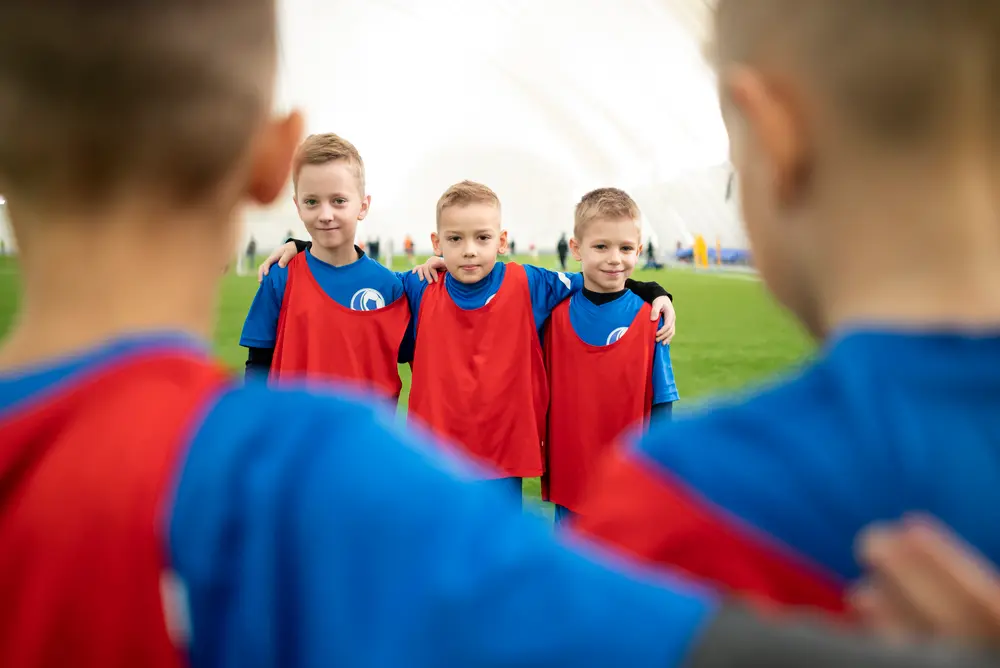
<point>334,313</point>
<point>478,373</point>
<point>869,186</point>
<point>149,515</point>
<point>606,374</point>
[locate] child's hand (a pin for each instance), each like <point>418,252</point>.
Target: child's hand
<point>282,255</point>
<point>925,580</point>
<point>663,307</point>
<point>428,271</point>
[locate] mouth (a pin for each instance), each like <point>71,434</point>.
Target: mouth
<point>613,274</point>
<point>469,267</point>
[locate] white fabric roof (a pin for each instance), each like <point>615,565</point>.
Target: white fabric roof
<point>540,99</point>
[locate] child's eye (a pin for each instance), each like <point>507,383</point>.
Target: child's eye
<point>627,249</point>
<point>453,239</point>
<point>310,202</point>
<point>484,237</point>
<point>600,246</point>
<point>340,201</point>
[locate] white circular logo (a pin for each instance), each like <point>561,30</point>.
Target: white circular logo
<point>367,299</point>
<point>490,298</point>
<point>615,335</point>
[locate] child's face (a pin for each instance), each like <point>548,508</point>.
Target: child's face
<point>469,239</point>
<point>607,251</point>
<point>330,203</point>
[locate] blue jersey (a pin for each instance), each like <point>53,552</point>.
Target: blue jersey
<point>601,325</point>
<point>364,285</point>
<point>882,424</point>
<point>548,289</point>
<point>341,540</point>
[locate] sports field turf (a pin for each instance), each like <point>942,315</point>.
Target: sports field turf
<point>730,333</point>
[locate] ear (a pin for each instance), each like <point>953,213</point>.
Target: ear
<point>574,248</point>
<point>638,251</point>
<point>366,204</point>
<point>769,126</point>
<point>295,201</point>
<point>503,242</point>
<point>272,157</point>
<point>436,243</point>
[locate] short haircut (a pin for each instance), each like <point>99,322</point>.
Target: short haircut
<point>604,204</point>
<point>103,98</point>
<point>465,193</point>
<point>899,72</point>
<point>324,148</point>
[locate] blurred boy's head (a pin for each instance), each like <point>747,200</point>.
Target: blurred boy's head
<point>138,112</point>
<point>468,234</point>
<point>329,179</point>
<point>854,123</point>
<point>606,238</point>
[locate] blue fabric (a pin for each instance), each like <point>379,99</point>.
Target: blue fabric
<point>547,288</point>
<point>562,514</point>
<point>879,425</point>
<point>601,325</point>
<point>35,383</point>
<point>362,286</point>
<point>512,488</point>
<point>340,540</point>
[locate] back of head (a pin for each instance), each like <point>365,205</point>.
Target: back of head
<point>604,204</point>
<point>464,194</point>
<point>897,74</point>
<point>864,136</point>
<point>107,99</point>
<point>321,149</point>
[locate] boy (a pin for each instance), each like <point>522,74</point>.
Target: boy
<point>606,374</point>
<point>841,155</point>
<point>478,373</point>
<point>145,519</point>
<point>334,312</point>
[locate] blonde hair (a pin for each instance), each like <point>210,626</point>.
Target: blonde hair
<point>897,72</point>
<point>161,95</point>
<point>604,204</point>
<point>465,193</point>
<point>323,148</point>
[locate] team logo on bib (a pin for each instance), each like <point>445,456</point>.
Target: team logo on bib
<point>615,335</point>
<point>367,299</point>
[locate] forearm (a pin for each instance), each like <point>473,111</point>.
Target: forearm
<point>258,364</point>
<point>737,638</point>
<point>648,291</point>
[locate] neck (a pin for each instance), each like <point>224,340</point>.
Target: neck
<point>935,265</point>
<point>82,285</point>
<point>594,287</point>
<point>341,256</point>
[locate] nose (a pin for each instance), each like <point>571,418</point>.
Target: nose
<point>615,258</point>
<point>326,214</point>
<point>469,250</point>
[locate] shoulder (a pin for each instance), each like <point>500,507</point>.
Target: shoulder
<point>277,277</point>
<point>785,424</point>
<point>285,432</point>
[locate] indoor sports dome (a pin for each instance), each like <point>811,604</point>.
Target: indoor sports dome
<point>542,100</point>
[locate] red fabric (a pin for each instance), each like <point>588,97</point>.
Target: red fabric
<point>645,513</point>
<point>479,377</point>
<point>83,477</point>
<point>323,340</point>
<point>597,392</point>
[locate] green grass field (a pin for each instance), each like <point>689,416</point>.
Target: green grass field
<point>729,332</point>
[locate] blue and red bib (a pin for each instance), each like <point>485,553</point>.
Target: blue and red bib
<point>597,392</point>
<point>323,340</point>
<point>83,555</point>
<point>479,377</point>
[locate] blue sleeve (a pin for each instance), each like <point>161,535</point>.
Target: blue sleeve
<point>260,330</point>
<point>548,289</point>
<point>413,288</point>
<point>664,385</point>
<point>360,545</point>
